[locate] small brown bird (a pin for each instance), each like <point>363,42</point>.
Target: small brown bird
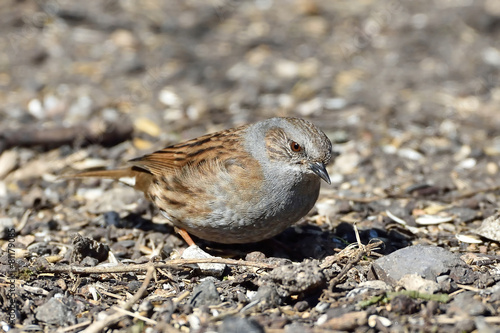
<point>240,185</point>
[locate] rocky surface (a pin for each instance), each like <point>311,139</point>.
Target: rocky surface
<point>408,92</point>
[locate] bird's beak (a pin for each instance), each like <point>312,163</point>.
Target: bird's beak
<point>320,169</point>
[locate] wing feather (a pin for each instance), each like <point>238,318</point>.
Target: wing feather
<point>193,152</point>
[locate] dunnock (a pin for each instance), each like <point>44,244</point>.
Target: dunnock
<point>239,185</point>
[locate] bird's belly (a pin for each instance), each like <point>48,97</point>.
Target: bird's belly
<point>244,223</point>
<point>243,217</point>
<point>235,229</point>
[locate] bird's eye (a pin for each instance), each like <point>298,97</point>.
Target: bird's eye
<point>295,146</point>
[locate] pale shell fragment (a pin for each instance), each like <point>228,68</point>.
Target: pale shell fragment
<point>372,321</point>
<point>402,222</point>
<point>93,292</point>
<point>395,218</point>
<point>89,163</point>
<point>471,239</point>
<point>8,161</point>
<point>433,219</point>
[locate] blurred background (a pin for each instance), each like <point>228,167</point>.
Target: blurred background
<point>406,90</point>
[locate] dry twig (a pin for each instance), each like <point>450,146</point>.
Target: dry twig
<point>176,264</point>
<point>360,253</point>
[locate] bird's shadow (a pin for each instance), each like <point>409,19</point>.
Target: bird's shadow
<point>295,243</point>
<point>311,242</point>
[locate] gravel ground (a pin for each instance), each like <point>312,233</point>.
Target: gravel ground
<point>408,92</point>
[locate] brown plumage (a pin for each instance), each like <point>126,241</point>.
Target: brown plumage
<point>235,186</point>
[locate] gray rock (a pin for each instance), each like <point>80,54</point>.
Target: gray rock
<point>492,292</point>
<point>463,214</point>
<point>302,278</point>
<point>416,282</point>
<point>237,325</point>
<point>296,327</point>
<point>426,261</point>
<point>89,262</point>
<point>267,296</point>
<point>466,303</point>
<point>205,294</point>
<point>55,312</point>
<point>86,247</point>
<point>112,218</point>
<point>490,228</point>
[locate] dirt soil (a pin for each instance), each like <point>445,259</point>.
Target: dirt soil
<point>408,92</point>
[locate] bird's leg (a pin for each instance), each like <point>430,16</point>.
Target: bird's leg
<point>183,233</point>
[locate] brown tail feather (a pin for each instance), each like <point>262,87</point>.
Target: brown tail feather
<point>109,174</point>
<point>142,178</point>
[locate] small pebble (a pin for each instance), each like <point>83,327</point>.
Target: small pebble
<point>194,252</point>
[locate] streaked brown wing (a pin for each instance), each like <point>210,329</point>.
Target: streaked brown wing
<point>193,152</point>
